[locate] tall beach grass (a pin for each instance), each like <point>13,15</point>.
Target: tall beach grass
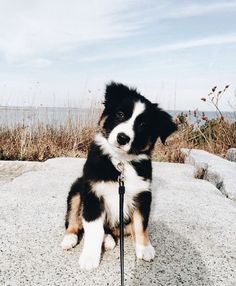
<point>42,140</point>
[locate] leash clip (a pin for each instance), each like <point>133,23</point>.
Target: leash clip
<point>121,177</point>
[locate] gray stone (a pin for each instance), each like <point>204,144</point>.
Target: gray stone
<point>191,226</point>
<point>218,171</point>
<point>231,154</point>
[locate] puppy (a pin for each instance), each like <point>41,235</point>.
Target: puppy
<point>128,129</point>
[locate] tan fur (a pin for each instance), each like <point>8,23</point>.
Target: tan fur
<point>141,236</point>
<point>127,230</point>
<point>101,121</point>
<point>146,147</point>
<point>74,219</point>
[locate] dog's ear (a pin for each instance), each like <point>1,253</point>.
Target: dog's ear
<point>114,94</point>
<point>165,125</point>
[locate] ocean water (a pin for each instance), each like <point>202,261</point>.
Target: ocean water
<point>30,116</point>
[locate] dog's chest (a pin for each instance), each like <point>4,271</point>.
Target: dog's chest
<point>134,185</point>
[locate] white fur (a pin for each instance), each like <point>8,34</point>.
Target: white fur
<point>116,154</point>
<point>134,184</point>
<point>146,253</point>
<point>109,242</point>
<point>93,239</point>
<point>69,241</point>
<point>109,191</point>
<point>127,128</point>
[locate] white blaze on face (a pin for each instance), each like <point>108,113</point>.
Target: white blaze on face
<point>127,128</point>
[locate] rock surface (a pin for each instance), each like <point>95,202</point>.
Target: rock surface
<point>231,154</point>
<point>218,171</point>
<point>192,228</point>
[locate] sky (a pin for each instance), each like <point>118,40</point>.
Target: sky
<point>64,52</point>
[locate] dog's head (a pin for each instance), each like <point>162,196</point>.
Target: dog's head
<point>131,123</point>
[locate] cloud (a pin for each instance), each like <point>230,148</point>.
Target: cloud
<point>193,9</point>
<point>37,63</point>
<point>192,43</point>
<point>31,29</point>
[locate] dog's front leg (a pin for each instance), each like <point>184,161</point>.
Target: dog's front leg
<point>139,222</point>
<point>143,246</point>
<point>93,239</point>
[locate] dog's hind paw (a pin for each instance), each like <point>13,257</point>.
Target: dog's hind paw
<point>69,241</point>
<point>109,242</point>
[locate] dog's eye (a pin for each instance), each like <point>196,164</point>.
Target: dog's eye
<point>120,115</point>
<point>141,125</point>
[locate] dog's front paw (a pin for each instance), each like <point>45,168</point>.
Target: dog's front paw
<point>146,253</point>
<point>88,261</point>
<point>69,241</point>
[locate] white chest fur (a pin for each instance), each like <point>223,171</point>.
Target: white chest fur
<point>134,184</point>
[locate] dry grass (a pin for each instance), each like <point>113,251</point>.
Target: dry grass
<point>44,141</point>
<point>215,136</point>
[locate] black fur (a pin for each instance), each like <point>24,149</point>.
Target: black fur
<point>143,169</point>
<point>98,166</point>
<point>151,124</point>
<point>143,201</point>
<point>92,205</point>
<point>166,126</point>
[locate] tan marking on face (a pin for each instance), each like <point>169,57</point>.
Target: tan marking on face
<point>141,236</point>
<point>74,219</point>
<point>102,121</point>
<point>99,128</point>
<point>146,147</point>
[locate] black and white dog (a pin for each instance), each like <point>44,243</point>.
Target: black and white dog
<point>128,129</point>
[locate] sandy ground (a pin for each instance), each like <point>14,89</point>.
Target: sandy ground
<point>193,229</point>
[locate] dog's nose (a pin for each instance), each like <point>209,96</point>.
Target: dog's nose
<point>122,138</point>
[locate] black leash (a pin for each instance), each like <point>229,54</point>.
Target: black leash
<point>120,168</point>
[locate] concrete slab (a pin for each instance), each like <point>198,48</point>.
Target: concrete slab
<point>192,228</point>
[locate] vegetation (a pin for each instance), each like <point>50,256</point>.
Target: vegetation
<point>44,141</point>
